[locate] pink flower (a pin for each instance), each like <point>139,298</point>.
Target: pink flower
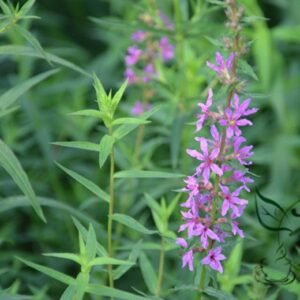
<point>223,68</point>
<point>137,109</point>
<point>181,242</point>
<point>133,55</point>
<point>231,201</point>
<point>243,107</point>
<point>242,153</point>
<point>129,74</point>
<point>166,48</point>
<point>187,259</point>
<point>236,230</point>
<point>208,163</point>
<point>138,36</point>
<point>205,232</point>
<point>232,121</point>
<point>213,259</point>
<point>205,110</point>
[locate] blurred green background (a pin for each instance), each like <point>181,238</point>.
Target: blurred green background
<point>66,29</point>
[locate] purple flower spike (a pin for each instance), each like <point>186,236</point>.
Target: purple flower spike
<point>213,259</point>
<point>205,232</point>
<point>188,259</point>
<point>223,67</point>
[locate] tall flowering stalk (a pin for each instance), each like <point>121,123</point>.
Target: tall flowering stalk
<point>214,205</point>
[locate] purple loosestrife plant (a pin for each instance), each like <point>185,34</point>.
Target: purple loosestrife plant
<point>142,57</point>
<point>214,205</point>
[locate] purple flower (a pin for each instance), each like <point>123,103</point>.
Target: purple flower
<point>243,107</point>
<point>213,259</point>
<point>187,259</point>
<point>181,242</point>
<point>223,68</point>
<point>138,108</point>
<point>236,230</point>
<point>205,232</point>
<point>133,55</point>
<point>205,110</point>
<point>167,49</point>
<point>191,223</point>
<point>242,153</point>
<point>207,159</point>
<point>232,121</point>
<point>129,74</point>
<point>231,201</point>
<point>239,176</point>
<point>149,72</point>
<point>167,22</point>
<point>138,36</point>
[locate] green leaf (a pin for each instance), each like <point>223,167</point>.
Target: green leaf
<point>12,166</point>
<point>88,113</point>
<point>68,256</point>
<point>210,291</point>
<point>118,96</point>
<point>12,50</point>
<point>31,39</point>
<point>104,103</point>
<point>105,291</point>
<point>26,8</point>
<point>137,121</point>
<point>10,97</point>
<point>99,248</point>
<point>91,186</point>
<point>132,223</point>
<point>5,8</point>
<point>99,261</point>
<point>49,272</point>
<point>21,201</point>
<point>91,243</point>
<point>105,149</point>
<point>247,69</point>
<point>79,145</point>
<point>146,174</point>
<point>133,256</point>
<point>149,275</point>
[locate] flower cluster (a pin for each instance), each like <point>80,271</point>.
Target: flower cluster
<point>214,204</point>
<point>142,57</point>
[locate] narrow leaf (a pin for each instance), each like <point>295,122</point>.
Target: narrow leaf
<point>10,97</point>
<point>49,272</point>
<point>91,243</point>
<point>118,96</point>
<point>79,145</point>
<point>91,186</point>
<point>88,113</point>
<point>99,261</point>
<point>12,166</point>
<point>26,8</point>
<point>105,149</point>
<point>132,223</point>
<point>146,174</point>
<point>137,121</point>
<point>68,256</point>
<point>148,273</point>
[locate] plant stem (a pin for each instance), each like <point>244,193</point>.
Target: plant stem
<point>110,215</point>
<point>161,267</point>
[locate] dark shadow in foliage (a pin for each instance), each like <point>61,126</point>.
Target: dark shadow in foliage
<point>280,216</point>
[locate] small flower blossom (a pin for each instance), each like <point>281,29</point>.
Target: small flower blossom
<point>130,76</point>
<point>213,259</point>
<point>236,230</point>
<point>139,36</point>
<point>188,259</point>
<point>166,48</point>
<point>137,109</point>
<point>181,242</point>
<point>205,232</point>
<point>205,110</point>
<point>223,67</point>
<point>133,55</point>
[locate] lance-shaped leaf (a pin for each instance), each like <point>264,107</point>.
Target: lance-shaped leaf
<point>91,186</point>
<point>12,166</point>
<point>148,272</point>
<point>138,121</point>
<point>50,272</point>
<point>105,148</point>
<point>132,223</point>
<point>146,174</point>
<point>99,261</point>
<point>79,145</point>
<point>67,256</point>
<point>26,8</point>
<point>88,113</point>
<point>118,96</point>
<point>9,98</point>
<point>91,243</point>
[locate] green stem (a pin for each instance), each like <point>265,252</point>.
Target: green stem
<point>110,215</point>
<point>161,267</point>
